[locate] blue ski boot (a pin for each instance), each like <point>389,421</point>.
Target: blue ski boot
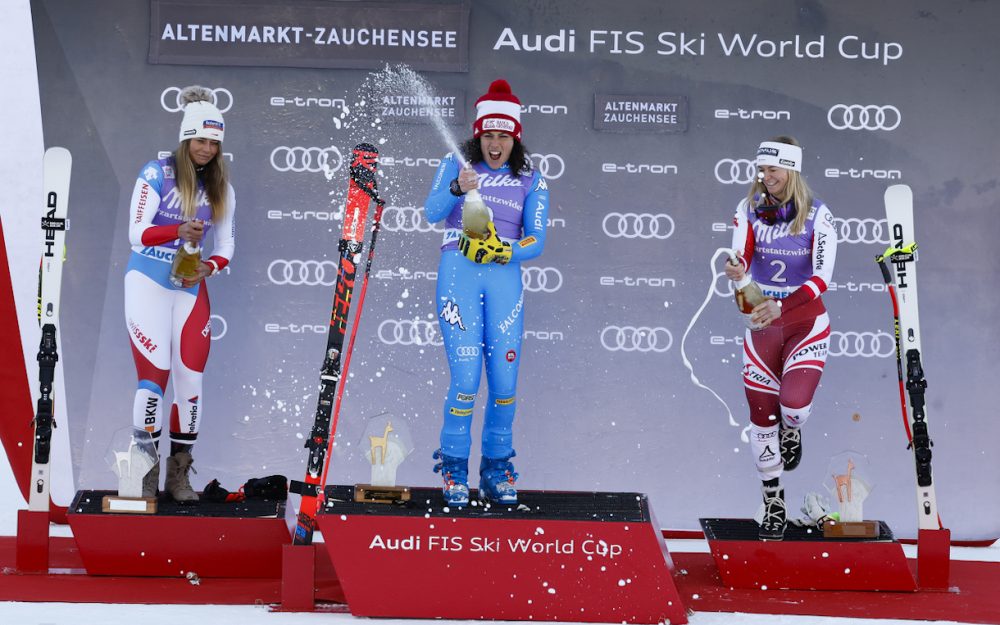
<point>496,480</point>
<point>455,472</point>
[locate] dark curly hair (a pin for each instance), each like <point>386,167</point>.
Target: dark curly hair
<point>519,162</point>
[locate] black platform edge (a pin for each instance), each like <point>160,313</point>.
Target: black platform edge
<point>89,502</point>
<point>537,505</point>
<point>746,529</point>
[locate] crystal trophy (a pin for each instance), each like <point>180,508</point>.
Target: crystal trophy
<point>849,485</point>
<point>386,443</point>
<point>130,456</point>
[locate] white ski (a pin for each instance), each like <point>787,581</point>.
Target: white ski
<point>57,165</point>
<point>899,215</point>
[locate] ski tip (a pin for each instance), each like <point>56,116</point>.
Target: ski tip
<point>899,192</point>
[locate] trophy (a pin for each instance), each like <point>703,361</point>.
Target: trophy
<point>131,455</point>
<point>387,441</point>
<point>849,485</point>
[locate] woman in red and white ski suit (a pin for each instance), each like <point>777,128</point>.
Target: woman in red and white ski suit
<point>786,239</point>
<point>180,198</point>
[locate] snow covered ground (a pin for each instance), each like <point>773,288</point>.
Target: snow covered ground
<point>20,159</point>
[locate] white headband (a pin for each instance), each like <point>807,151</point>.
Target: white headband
<point>782,155</point>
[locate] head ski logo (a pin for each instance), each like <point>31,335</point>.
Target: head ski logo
<point>900,265</point>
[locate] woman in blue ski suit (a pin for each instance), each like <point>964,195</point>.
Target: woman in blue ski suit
<point>479,295</point>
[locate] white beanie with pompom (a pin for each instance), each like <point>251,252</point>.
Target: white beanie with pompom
<point>202,118</point>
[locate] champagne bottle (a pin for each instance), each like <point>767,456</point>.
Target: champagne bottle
<point>475,215</point>
<point>747,293</point>
<point>186,262</point>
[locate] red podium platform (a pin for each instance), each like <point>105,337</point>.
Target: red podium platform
<point>805,559</point>
<point>559,556</point>
<point>226,540</point>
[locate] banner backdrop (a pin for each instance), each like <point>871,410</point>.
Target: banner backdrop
<point>643,116</point>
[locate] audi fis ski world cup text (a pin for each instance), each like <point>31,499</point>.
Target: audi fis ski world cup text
<point>683,44</point>
<point>590,547</point>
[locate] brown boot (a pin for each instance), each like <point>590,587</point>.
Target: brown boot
<point>178,484</point>
<point>151,481</point>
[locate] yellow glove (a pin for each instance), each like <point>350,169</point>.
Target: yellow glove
<point>488,250</point>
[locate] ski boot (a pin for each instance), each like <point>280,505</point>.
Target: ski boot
<point>772,526</point>
<point>455,472</point>
<point>178,484</point>
<point>790,441</point>
<point>496,480</point>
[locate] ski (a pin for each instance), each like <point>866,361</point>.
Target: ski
<point>903,258</point>
<point>361,191</point>
<point>57,165</point>
<point>376,227</point>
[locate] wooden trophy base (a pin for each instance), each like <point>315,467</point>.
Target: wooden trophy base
<point>128,505</point>
<point>366,493</point>
<point>850,529</point>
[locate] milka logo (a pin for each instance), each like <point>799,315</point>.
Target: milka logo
<point>766,234</point>
<point>486,180</point>
<point>451,314</point>
<point>172,200</point>
<point>158,253</point>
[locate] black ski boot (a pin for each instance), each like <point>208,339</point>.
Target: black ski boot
<point>772,526</point>
<point>790,441</point>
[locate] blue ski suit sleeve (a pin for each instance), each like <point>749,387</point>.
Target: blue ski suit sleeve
<point>440,201</point>
<point>535,215</point>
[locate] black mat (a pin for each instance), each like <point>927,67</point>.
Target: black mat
<point>89,502</point>
<point>746,529</point>
<point>554,505</point>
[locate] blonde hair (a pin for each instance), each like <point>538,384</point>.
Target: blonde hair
<point>215,177</point>
<point>796,190</point>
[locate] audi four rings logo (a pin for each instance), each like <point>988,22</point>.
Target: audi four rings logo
<point>636,339</point>
<point>407,219</point>
<point>550,166</point>
<point>302,272</point>
<point>170,99</point>
<point>867,230</point>
<point>219,326</point>
<point>544,279</point>
<point>409,332</point>
<point>735,171</point>
<point>862,344</point>
<point>638,225</point>
<point>467,351</point>
<point>300,159</point>
<point>864,117</point>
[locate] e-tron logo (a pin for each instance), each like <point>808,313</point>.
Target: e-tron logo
<point>862,344</point>
<point>636,339</point>
<point>544,279</point>
<point>864,117</point>
<point>170,99</point>
<point>407,219</point>
<point>638,225</point>
<point>867,230</point>
<point>302,272</point>
<point>735,171</point>
<point>409,332</point>
<point>550,166</point>
<point>300,159</point>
